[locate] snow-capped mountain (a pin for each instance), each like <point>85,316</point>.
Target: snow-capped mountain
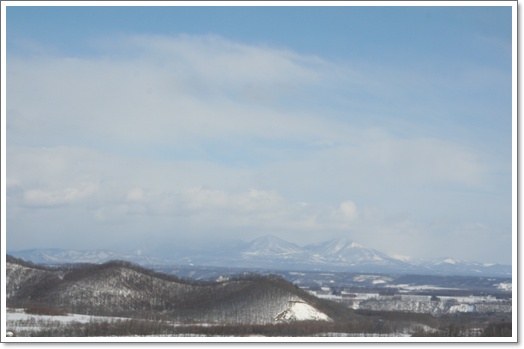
<point>270,252</point>
<point>456,266</point>
<point>61,256</point>
<point>350,253</point>
<point>270,245</point>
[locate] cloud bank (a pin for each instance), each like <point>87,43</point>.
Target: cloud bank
<point>164,137</point>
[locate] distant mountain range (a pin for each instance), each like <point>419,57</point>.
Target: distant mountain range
<point>270,252</point>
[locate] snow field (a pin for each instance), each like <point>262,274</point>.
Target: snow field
<point>301,311</point>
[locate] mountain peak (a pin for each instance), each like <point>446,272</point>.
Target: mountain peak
<point>335,246</point>
<point>270,245</point>
<point>270,238</point>
<point>270,251</point>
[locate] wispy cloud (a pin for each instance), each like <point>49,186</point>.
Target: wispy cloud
<point>213,136</point>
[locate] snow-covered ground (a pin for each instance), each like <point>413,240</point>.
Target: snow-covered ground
<point>301,311</point>
<point>505,286</point>
<point>344,296</point>
<point>419,303</point>
<point>375,279</point>
<point>22,324</point>
<point>408,288</point>
<point>462,308</point>
<point>19,315</point>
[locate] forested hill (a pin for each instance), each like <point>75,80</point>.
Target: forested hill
<point>120,288</point>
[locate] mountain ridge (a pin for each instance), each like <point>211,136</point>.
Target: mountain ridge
<point>271,252</point>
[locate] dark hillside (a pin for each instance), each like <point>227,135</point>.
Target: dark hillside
<point>22,278</point>
<point>123,289</point>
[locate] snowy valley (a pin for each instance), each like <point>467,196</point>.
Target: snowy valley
<point>124,299</point>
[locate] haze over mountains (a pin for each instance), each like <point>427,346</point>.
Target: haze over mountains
<point>270,252</point>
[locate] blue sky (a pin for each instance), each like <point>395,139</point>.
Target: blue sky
<point>387,125</point>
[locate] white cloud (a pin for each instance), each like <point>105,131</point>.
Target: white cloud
<point>222,61</point>
<point>349,210</point>
<point>180,95</point>
<point>136,195</point>
<point>201,134</point>
<point>424,160</point>
<point>176,90</point>
<point>43,198</point>
<point>199,199</point>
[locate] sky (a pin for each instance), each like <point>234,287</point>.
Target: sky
<point>131,126</point>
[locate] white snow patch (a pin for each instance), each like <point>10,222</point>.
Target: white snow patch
<point>462,308</point>
<point>506,286</point>
<point>401,257</point>
<point>375,279</point>
<point>420,287</point>
<point>449,261</point>
<point>364,296</point>
<point>379,281</point>
<point>301,311</point>
<point>20,314</point>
